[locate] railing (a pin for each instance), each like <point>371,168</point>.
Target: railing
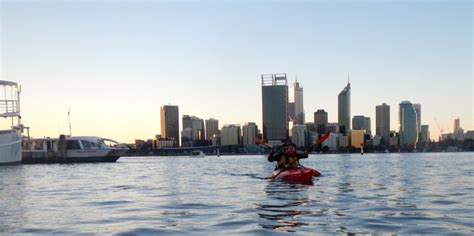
<point>9,107</point>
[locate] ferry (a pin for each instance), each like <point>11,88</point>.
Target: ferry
<point>75,149</point>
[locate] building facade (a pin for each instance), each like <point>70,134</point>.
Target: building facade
<point>382,123</point>
<point>321,121</point>
<point>212,128</point>
<point>230,135</point>
<point>250,133</point>
<point>298,135</point>
<point>275,107</point>
<point>344,109</point>
<point>425,133</point>
<point>170,123</point>
<point>296,97</point>
<point>407,117</point>
<point>417,108</point>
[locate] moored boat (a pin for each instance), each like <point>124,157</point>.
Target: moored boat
<point>74,149</point>
<point>10,137</point>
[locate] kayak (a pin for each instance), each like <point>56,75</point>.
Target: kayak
<point>298,174</point>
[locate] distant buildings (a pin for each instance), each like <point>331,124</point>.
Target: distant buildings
<point>321,121</point>
<point>250,133</point>
<point>212,128</point>
<point>357,138</point>
<point>417,108</point>
<point>296,98</point>
<point>344,109</point>
<point>230,135</point>
<point>170,123</point>
<point>332,127</point>
<point>425,134</point>
<point>298,135</point>
<point>361,123</point>
<point>408,130</point>
<point>193,128</point>
<point>274,107</point>
<point>457,125</point>
<point>382,122</point>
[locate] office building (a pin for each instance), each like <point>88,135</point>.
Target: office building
<point>275,107</point>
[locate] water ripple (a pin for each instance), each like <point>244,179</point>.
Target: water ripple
<point>383,194</point>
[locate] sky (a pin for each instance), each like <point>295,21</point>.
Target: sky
<point>113,64</point>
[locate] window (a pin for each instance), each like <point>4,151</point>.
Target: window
<point>73,145</point>
<point>89,145</point>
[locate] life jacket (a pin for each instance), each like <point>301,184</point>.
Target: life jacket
<point>288,162</point>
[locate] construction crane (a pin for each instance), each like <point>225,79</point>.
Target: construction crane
<point>440,129</point>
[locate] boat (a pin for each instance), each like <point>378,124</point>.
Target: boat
<point>197,153</point>
<point>295,175</point>
<point>10,137</point>
<point>74,149</point>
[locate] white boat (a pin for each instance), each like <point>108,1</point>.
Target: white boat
<point>74,149</point>
<point>10,138</point>
<point>197,153</point>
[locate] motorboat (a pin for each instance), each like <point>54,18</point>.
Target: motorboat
<point>74,149</point>
<point>197,153</point>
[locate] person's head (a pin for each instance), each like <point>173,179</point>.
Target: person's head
<point>289,149</point>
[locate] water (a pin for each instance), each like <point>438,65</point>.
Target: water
<point>374,193</point>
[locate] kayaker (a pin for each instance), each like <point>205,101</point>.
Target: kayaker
<point>286,156</point>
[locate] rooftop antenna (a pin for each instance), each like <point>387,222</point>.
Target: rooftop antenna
<point>69,118</point>
<point>348,81</point>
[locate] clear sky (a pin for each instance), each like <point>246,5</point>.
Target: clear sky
<point>115,63</point>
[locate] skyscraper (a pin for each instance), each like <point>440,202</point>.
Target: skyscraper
<point>250,132</point>
<point>212,127</point>
<point>321,120</point>
<point>457,125</point>
<point>170,123</point>
<point>425,133</point>
<point>344,109</point>
<point>407,117</point>
<point>296,97</point>
<point>274,107</point>
<point>382,122</point>
<point>417,107</point>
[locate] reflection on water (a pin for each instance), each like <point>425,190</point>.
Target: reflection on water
<point>387,194</point>
<point>12,194</point>
<point>281,208</point>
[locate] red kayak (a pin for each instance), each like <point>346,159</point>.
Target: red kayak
<point>298,174</point>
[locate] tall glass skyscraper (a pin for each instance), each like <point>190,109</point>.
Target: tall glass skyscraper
<point>275,107</point>
<point>407,117</point>
<point>344,109</point>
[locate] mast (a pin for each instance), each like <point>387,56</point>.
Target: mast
<point>69,118</point>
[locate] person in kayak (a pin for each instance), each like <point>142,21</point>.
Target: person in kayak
<point>286,156</point>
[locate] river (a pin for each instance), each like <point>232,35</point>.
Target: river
<point>406,193</point>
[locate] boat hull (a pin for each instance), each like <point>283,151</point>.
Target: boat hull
<point>299,174</point>
<point>10,148</point>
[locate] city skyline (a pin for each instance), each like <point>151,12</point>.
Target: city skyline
<point>111,63</point>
